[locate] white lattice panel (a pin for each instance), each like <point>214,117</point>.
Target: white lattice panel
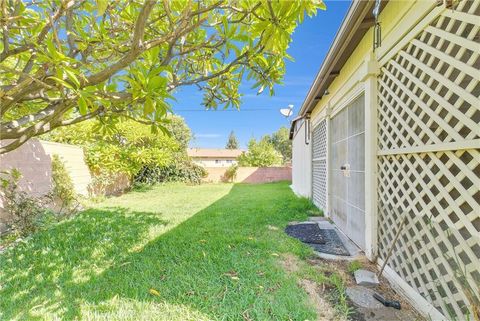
<point>429,96</point>
<point>319,166</point>
<point>320,140</point>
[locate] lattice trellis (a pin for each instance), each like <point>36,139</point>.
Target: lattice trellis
<point>319,166</point>
<point>429,96</point>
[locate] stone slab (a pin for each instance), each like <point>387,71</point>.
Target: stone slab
<point>366,278</point>
<point>363,297</point>
<point>367,308</point>
<point>317,219</point>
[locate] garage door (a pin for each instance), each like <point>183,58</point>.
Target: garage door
<point>319,166</point>
<point>348,170</point>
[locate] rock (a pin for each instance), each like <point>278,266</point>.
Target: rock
<point>368,308</point>
<point>366,278</point>
<point>363,297</point>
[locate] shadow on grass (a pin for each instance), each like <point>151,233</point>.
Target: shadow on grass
<point>219,264</point>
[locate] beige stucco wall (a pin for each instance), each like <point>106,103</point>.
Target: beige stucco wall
<point>34,160</point>
<point>74,161</point>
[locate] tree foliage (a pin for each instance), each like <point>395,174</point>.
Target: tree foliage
<point>261,154</point>
<point>232,142</point>
<point>128,146</point>
<point>282,143</point>
<point>63,62</point>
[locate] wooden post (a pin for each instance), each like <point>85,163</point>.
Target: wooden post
<point>371,217</point>
<point>328,162</point>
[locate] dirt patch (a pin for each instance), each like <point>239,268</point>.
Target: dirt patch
<point>290,263</point>
<point>320,294</point>
<point>325,311</point>
<point>340,267</point>
<point>317,294</point>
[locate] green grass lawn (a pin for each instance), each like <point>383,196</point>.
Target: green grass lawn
<point>173,252</point>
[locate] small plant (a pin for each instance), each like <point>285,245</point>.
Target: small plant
<point>25,211</point>
<point>354,266</point>
<point>63,191</point>
<point>231,173</point>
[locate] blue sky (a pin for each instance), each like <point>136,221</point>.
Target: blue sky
<point>310,44</point>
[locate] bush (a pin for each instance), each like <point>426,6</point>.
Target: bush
<point>260,154</point>
<point>182,170</point>
<point>231,173</point>
<point>63,190</point>
<point>127,147</point>
<point>25,212</point>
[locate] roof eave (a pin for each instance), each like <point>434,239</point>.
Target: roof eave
<point>354,26</point>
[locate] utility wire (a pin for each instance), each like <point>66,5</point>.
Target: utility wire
<point>223,110</point>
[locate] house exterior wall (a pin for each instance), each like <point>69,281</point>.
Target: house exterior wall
<point>215,161</point>
<point>422,150</point>
<point>301,164</point>
<point>351,71</point>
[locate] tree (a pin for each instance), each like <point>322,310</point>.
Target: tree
<point>261,154</point>
<point>63,62</point>
<point>128,146</point>
<point>232,142</point>
<point>282,143</point>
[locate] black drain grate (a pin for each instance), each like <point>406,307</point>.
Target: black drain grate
<point>322,240</point>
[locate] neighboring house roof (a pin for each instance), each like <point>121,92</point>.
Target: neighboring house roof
<point>214,152</point>
<point>356,23</point>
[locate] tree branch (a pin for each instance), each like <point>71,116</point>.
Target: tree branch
<point>136,49</point>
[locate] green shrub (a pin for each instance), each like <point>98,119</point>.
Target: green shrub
<point>63,190</point>
<point>127,147</point>
<point>260,154</point>
<point>25,211</point>
<point>182,170</point>
<point>231,173</point>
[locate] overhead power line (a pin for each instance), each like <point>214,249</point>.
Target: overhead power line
<point>223,110</point>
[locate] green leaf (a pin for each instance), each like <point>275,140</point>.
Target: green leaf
<point>62,82</point>
<point>73,78</point>
<point>321,5</point>
<point>51,48</point>
<point>149,106</point>
<point>82,105</point>
<point>157,82</point>
<point>163,105</point>
<point>101,7</point>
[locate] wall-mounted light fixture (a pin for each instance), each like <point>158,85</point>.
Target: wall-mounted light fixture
<point>377,29</point>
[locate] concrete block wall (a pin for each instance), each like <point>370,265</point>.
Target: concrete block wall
<point>34,160</point>
<point>253,175</point>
